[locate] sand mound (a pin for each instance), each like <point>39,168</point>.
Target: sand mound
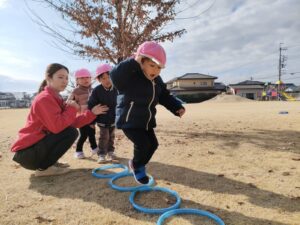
<point>229,98</point>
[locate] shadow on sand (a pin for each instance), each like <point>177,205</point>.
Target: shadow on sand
<point>285,140</point>
<point>80,184</point>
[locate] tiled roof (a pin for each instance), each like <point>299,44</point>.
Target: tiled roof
<point>248,82</point>
<point>246,86</point>
<point>189,76</point>
<point>195,76</point>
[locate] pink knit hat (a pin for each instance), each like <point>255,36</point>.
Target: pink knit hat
<point>82,73</point>
<point>154,51</point>
<point>102,69</point>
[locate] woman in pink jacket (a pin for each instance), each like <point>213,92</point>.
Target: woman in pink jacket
<point>50,129</point>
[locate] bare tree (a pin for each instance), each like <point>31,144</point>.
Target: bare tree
<point>110,29</point>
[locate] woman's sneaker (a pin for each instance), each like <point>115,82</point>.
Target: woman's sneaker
<point>61,164</point>
<point>79,155</point>
<point>139,174</point>
<point>101,159</point>
<point>51,171</point>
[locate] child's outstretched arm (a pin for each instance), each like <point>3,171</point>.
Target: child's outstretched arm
<point>121,74</point>
<point>168,100</point>
<point>93,100</point>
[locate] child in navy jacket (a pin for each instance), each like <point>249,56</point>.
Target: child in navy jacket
<point>105,94</point>
<point>140,89</point>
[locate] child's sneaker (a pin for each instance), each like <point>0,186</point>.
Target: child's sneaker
<point>101,159</point>
<point>139,174</point>
<point>79,155</point>
<point>51,171</point>
<point>94,151</point>
<point>111,156</point>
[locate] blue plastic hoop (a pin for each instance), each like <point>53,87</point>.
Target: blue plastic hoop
<point>128,189</point>
<point>155,210</point>
<point>199,212</point>
<point>112,166</point>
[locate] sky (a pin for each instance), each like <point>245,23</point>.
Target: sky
<point>234,40</point>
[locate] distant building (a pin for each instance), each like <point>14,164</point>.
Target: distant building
<point>6,99</point>
<point>293,91</point>
<point>195,87</point>
<point>20,95</point>
<point>248,89</point>
<point>14,100</point>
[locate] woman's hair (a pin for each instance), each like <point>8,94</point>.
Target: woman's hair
<point>51,69</point>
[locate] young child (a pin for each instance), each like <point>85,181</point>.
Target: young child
<point>50,127</point>
<point>140,89</point>
<point>81,94</point>
<point>105,94</point>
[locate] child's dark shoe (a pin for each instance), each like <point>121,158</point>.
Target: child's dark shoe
<point>139,174</point>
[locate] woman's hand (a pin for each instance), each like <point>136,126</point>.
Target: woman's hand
<point>180,112</point>
<point>99,109</point>
<point>73,104</point>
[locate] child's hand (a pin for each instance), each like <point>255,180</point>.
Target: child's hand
<point>180,112</point>
<point>73,104</point>
<point>99,109</point>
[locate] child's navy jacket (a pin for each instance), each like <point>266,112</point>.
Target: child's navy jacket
<point>138,96</point>
<point>107,97</point>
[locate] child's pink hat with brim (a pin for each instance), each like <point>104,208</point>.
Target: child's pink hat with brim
<point>103,68</point>
<point>82,73</point>
<point>153,51</point>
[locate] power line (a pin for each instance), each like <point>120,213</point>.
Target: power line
<point>193,17</point>
<point>291,78</point>
<point>251,62</point>
<point>292,73</point>
<point>293,46</point>
<point>190,6</point>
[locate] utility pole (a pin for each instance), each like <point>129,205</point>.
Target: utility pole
<point>281,65</point>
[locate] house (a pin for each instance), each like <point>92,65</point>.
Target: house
<point>289,85</point>
<point>294,92</point>
<point>249,89</point>
<point>14,100</point>
<point>6,99</point>
<point>195,87</point>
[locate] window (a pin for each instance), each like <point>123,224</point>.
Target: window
<point>203,83</point>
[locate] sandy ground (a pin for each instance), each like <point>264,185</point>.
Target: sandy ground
<point>237,159</point>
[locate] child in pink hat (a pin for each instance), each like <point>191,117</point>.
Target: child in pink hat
<point>140,89</point>
<point>105,94</point>
<point>81,94</point>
